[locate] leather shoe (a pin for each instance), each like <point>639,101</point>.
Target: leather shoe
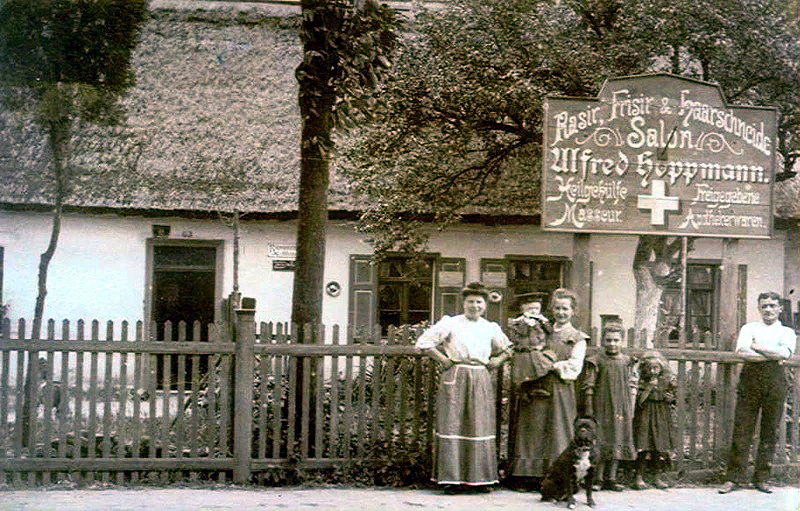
<point>729,487</point>
<point>661,485</point>
<point>762,487</point>
<point>612,486</point>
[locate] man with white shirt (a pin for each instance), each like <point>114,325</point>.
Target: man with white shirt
<point>763,345</point>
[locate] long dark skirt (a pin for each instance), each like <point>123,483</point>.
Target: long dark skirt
<point>652,427</point>
<point>465,451</point>
<point>543,428</point>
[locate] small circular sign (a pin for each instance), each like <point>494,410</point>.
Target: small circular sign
<point>333,288</point>
<point>495,297</point>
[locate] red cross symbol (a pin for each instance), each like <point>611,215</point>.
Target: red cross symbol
<point>657,202</point>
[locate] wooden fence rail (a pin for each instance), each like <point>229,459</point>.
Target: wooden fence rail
<point>107,404</point>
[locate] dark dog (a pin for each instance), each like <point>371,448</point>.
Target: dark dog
<point>575,464</point>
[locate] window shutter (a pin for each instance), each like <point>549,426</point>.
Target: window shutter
<point>741,292</point>
<point>494,275</point>
<point>363,290</point>
<point>567,280</point>
<point>449,283</point>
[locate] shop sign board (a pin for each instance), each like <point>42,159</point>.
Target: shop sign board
<point>658,154</point>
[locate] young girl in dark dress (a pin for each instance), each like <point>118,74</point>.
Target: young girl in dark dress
<point>652,422</point>
<point>611,379</point>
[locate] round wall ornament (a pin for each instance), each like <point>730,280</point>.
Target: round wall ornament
<point>333,288</point>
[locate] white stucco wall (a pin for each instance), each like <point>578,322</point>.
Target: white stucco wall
<point>614,289</point>
<point>98,271</point>
<point>476,241</point>
<point>765,261</point>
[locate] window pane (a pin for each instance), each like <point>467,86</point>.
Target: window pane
<point>700,303</point>
<point>389,297</point>
<point>520,270</point>
<point>418,317</point>
<point>532,276</point>
<point>700,276</point>
<point>404,291</point>
<point>184,256</point>
<point>387,319</point>
<point>419,297</point>
<point>395,269</point>
<point>419,270</point>
<point>699,326</point>
<point>549,271</point>
<point>702,297</point>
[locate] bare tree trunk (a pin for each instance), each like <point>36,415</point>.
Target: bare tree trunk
<point>316,100</point>
<point>58,138</point>
<point>654,264</point>
<point>648,294</point>
<point>44,265</point>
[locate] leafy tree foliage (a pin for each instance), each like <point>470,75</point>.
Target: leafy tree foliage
<point>66,60</point>
<point>348,47</point>
<point>462,129</point>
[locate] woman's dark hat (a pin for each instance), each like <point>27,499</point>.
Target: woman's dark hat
<point>475,288</point>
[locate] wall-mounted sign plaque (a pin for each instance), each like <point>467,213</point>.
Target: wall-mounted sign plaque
<point>658,154</point>
<point>282,265</point>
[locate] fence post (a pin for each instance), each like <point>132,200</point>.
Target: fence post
<point>245,329</point>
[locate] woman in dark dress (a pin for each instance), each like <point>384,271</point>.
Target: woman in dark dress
<point>544,422</point>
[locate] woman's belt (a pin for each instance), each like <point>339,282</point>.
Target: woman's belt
<point>525,349</point>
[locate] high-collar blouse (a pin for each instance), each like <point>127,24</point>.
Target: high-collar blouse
<point>461,339</point>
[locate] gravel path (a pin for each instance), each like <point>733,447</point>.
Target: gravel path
<point>368,499</point>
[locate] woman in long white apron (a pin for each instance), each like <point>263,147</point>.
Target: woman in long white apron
<point>468,347</point>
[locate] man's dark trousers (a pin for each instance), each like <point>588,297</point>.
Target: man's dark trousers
<point>762,385</point>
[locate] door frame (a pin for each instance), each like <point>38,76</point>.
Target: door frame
<point>219,266</point>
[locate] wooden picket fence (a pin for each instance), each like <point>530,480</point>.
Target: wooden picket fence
<point>114,406</point>
<point>707,377</point>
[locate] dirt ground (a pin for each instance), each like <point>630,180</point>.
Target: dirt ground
<point>785,498</point>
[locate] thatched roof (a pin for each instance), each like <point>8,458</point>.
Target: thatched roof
<point>212,124</point>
